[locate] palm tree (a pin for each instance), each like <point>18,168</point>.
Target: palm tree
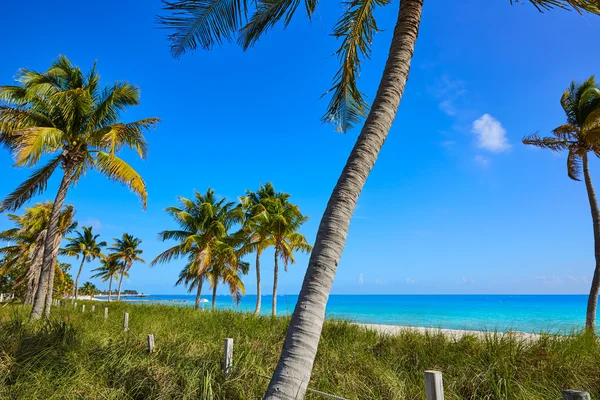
<point>206,23</point>
<point>62,278</point>
<point>257,232</point>
<point>227,268</point>
<point>580,135</point>
<point>283,220</point>
<point>66,113</point>
<point>108,271</point>
<point>27,241</point>
<point>191,281</point>
<point>204,223</point>
<point>125,251</point>
<point>89,289</point>
<point>86,246</point>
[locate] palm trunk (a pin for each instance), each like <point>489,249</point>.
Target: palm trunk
<point>50,292</point>
<point>35,270</point>
<point>258,293</point>
<point>76,287</point>
<point>50,250</point>
<point>120,283</point>
<point>590,318</point>
<point>214,296</point>
<point>198,293</point>
<point>275,276</point>
<point>294,368</point>
<point>110,287</point>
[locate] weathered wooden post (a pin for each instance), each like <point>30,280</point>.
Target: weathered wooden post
<point>93,308</point>
<point>150,343</point>
<point>126,322</point>
<point>575,395</point>
<point>1,297</point>
<point>228,357</point>
<point>83,308</point>
<point>75,305</point>
<point>105,313</point>
<point>434,386</point>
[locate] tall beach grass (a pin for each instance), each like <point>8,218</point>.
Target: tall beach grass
<point>78,355</point>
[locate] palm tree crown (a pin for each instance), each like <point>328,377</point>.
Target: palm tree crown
<point>85,244</point>
<point>125,251</point>
<point>66,113</point>
<point>581,133</point>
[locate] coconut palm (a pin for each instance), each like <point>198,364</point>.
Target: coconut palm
<point>108,271</point>
<point>66,113</point>
<point>85,245</point>
<point>191,281</point>
<point>257,231</point>
<point>62,278</point>
<point>89,289</point>
<point>227,268</point>
<point>207,23</point>
<point>204,223</point>
<point>579,136</point>
<point>126,251</point>
<point>27,240</point>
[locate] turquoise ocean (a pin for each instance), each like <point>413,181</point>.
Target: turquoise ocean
<point>526,313</point>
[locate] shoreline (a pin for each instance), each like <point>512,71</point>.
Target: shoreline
<point>394,330</point>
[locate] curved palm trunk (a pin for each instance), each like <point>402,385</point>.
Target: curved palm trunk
<point>50,292</point>
<point>275,277</point>
<point>214,296</point>
<point>198,294</point>
<point>110,287</point>
<point>50,250</point>
<point>258,293</point>
<point>120,283</point>
<point>590,318</point>
<point>76,287</point>
<point>294,368</point>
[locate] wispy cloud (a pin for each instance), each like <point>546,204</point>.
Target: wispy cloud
<point>94,223</point>
<point>410,281</point>
<point>361,279</point>
<point>482,160</point>
<point>490,134</point>
<point>380,282</point>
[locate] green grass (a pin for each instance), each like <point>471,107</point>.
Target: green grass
<point>79,356</point>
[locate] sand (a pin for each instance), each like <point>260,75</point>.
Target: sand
<point>453,333</point>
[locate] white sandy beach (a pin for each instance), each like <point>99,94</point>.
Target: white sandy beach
<point>453,333</point>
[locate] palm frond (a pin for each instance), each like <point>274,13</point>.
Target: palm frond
<point>202,23</point>
<point>574,164</point>
<point>356,27</point>
<point>35,184</point>
<point>267,14</point>
<point>114,99</point>
<point>116,169</point>
<point>546,142</point>
<point>590,6</point>
<point>35,142</point>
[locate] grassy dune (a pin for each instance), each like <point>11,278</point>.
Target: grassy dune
<point>79,356</point>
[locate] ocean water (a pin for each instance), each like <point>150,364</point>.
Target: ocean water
<point>527,313</point>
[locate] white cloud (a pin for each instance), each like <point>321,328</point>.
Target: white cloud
<point>482,160</point>
<point>448,107</point>
<point>410,280</point>
<point>361,279</point>
<point>94,223</point>
<point>467,280</point>
<point>490,134</point>
<point>572,278</point>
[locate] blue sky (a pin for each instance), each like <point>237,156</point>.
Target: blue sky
<point>455,204</point>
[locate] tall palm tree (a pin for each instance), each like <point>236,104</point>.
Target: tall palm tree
<point>89,289</point>
<point>85,245</point>
<point>108,271</point>
<point>191,281</point>
<point>204,223</point>
<point>283,220</point>
<point>256,230</point>
<point>126,251</point>
<point>65,112</point>
<point>207,23</point>
<point>27,240</point>
<point>579,136</point>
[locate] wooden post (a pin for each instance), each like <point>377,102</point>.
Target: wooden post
<point>575,395</point>
<point>150,343</point>
<point>1,297</point>
<point>228,357</point>
<point>83,308</point>
<point>105,313</point>
<point>75,305</point>
<point>126,322</point>
<point>434,386</point>
<point>93,308</point>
